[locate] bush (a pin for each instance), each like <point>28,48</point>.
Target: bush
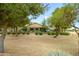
<point>40,33</point>
<point>51,33</point>
<point>54,33</point>
<point>18,33</point>
<point>23,32</point>
<point>13,33</point>
<point>64,33</point>
<point>28,33</point>
<point>8,33</point>
<point>36,33</point>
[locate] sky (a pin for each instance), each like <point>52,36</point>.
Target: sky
<point>51,8</point>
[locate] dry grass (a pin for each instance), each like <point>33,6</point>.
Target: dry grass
<point>36,45</point>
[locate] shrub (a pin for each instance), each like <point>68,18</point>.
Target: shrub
<point>13,33</point>
<point>19,33</point>
<point>48,33</point>
<point>23,32</point>
<point>64,33</point>
<point>16,33</point>
<point>54,33</point>
<point>36,33</point>
<point>8,33</point>
<point>40,33</point>
<point>28,33</point>
<point>51,33</point>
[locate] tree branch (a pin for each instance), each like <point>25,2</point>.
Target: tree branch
<point>74,26</point>
<point>75,29</point>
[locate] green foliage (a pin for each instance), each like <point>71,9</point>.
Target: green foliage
<point>48,33</point>
<point>54,33</point>
<point>24,29</point>
<point>51,33</point>
<point>36,33</point>
<point>44,22</point>
<point>62,18</point>
<point>9,33</point>
<point>14,14</point>
<point>44,26</point>
<point>76,8</point>
<point>64,33</point>
<point>39,33</point>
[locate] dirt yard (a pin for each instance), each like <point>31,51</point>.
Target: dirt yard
<point>40,45</point>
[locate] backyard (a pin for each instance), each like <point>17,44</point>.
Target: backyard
<point>39,29</point>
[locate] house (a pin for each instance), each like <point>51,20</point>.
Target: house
<point>35,27</point>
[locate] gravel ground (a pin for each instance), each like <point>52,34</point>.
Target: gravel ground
<point>41,45</point>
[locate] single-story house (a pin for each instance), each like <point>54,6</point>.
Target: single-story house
<point>35,27</point>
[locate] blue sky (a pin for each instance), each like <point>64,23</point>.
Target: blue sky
<point>51,8</point>
<point>48,12</point>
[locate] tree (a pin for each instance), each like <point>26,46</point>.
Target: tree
<point>44,25</point>
<point>17,15</point>
<point>76,9</point>
<point>62,18</point>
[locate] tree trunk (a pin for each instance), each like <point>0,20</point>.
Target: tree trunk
<point>16,31</point>
<point>57,31</point>
<point>2,37</point>
<point>76,32</point>
<point>1,45</point>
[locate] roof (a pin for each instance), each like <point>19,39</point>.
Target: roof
<point>35,25</point>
